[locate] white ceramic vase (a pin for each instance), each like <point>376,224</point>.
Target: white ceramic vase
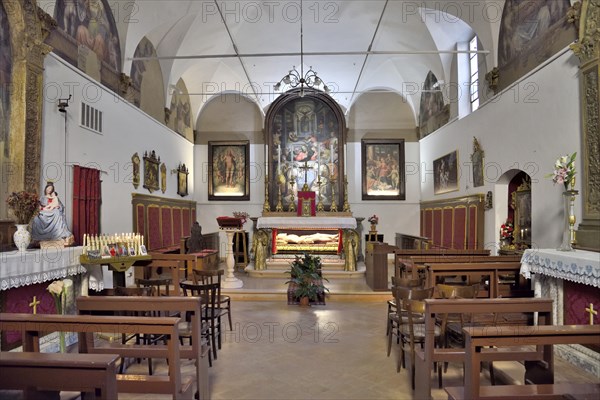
<point>22,237</point>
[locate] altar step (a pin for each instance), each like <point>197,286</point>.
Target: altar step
<point>264,295</point>
<point>276,268</point>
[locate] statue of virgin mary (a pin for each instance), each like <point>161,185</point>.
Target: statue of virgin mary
<point>50,223</point>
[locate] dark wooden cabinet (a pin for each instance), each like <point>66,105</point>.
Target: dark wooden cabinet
<point>376,261</point>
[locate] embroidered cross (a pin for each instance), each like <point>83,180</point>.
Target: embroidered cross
<point>592,312</point>
<point>34,304</point>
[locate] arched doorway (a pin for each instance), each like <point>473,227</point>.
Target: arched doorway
<point>513,211</point>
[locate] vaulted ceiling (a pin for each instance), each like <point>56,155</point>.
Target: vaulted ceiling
<point>356,46</point>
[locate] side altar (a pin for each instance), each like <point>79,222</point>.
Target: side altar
<point>571,279</point>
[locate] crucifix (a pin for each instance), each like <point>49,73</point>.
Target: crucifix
<point>34,304</point>
<point>590,310</point>
<point>306,168</point>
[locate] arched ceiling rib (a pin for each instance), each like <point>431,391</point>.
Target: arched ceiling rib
<point>189,36</point>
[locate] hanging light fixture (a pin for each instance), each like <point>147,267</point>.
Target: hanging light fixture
<point>296,79</point>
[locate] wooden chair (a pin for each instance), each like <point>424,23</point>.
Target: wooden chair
<point>403,282</point>
<point>157,287</point>
<point>131,291</point>
<point>206,277</point>
<point>452,324</point>
<point>208,294</point>
<point>400,316</point>
<point>415,331</point>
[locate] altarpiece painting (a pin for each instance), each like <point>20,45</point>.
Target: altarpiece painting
<point>305,149</point>
<point>383,169</point>
<point>229,170</point>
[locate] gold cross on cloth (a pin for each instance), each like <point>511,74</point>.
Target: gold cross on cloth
<point>34,304</point>
<point>592,312</point>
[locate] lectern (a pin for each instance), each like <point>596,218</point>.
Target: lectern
<point>377,265</point>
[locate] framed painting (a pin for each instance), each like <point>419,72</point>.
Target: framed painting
<point>182,180</point>
<point>151,164</point>
<point>229,170</point>
<point>477,160</point>
<point>445,173</point>
<point>383,169</point>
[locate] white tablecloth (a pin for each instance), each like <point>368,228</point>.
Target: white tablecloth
<point>577,266</point>
<point>307,222</point>
<point>37,266</point>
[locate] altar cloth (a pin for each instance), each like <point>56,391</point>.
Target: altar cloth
<point>307,222</point>
<point>38,266</point>
<point>576,266</point>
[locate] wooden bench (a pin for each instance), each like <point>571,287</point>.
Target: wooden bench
<point>208,257</point>
<point>406,258</point>
<point>197,351</point>
<point>477,338</point>
<point>426,357</point>
<point>476,272</point>
<point>34,326</point>
<point>181,265</point>
<point>44,375</point>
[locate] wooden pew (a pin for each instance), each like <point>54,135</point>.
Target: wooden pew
<point>419,257</point>
<point>429,354</point>
<point>44,375</point>
<point>197,351</point>
<point>477,338</point>
<point>475,271</point>
<point>35,326</point>
<point>171,265</point>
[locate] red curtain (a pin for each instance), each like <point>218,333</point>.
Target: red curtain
<point>86,202</point>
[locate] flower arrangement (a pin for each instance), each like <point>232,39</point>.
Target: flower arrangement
<point>373,219</point>
<point>564,170</point>
<point>243,215</point>
<point>58,291</point>
<point>507,230</point>
<point>24,206</point>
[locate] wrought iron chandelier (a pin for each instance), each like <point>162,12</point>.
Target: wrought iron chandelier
<point>296,79</point>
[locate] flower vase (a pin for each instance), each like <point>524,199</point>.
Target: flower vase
<point>22,237</point>
<point>373,228</point>
<point>568,237</point>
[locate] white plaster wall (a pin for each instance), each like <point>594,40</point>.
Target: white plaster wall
<point>525,127</point>
<point>126,130</point>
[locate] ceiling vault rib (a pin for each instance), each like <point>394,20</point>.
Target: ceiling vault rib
<point>237,54</point>
<point>309,53</point>
<point>362,68</point>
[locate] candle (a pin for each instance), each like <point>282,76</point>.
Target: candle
<point>278,159</point>
<point>331,152</point>
<point>318,153</point>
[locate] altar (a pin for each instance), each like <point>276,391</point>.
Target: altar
<point>295,235</point>
<point>571,279</point>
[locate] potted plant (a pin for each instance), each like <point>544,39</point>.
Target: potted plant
<point>305,275</point>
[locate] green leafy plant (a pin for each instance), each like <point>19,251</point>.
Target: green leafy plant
<point>305,273</point>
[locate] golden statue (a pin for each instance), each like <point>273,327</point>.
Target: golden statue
<point>351,241</point>
<point>259,248</point>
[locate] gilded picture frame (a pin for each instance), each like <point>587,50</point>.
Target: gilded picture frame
<point>151,173</point>
<point>182,180</point>
<point>229,170</point>
<point>163,178</point>
<point>383,176</point>
<point>445,173</point>
<point>135,162</point>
